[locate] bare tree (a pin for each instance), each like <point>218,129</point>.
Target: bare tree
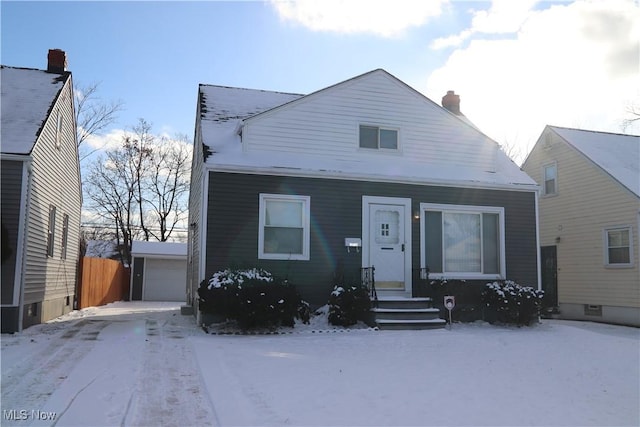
<point>92,114</point>
<point>141,187</point>
<point>633,116</point>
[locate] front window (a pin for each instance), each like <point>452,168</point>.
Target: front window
<point>284,227</point>
<point>378,138</point>
<point>463,241</point>
<point>618,248</point>
<point>550,179</point>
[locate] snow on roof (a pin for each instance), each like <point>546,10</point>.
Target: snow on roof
<point>158,248</point>
<point>222,110</point>
<point>617,154</point>
<point>27,96</point>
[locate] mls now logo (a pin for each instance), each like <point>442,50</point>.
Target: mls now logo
<point>23,414</point>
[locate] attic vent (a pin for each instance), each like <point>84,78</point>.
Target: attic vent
<point>548,141</point>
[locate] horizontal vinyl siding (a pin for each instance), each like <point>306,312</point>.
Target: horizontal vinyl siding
<point>588,201</point>
<point>327,124</point>
<point>54,180</point>
<point>336,213</point>
<point>195,203</point>
<point>11,181</point>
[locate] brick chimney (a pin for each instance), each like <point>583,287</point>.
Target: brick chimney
<point>451,102</point>
<point>56,61</point>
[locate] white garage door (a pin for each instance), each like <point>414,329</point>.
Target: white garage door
<point>164,280</point>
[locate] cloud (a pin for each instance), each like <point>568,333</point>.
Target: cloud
<point>380,17</point>
<point>108,141</point>
<point>573,65</point>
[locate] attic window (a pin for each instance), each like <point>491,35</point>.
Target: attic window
<point>376,138</point>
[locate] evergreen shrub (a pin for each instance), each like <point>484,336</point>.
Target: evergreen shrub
<point>253,298</point>
<point>513,303</point>
<point>348,304</point>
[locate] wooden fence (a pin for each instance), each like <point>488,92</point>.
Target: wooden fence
<point>102,281</point>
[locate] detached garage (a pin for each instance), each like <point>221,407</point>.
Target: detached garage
<point>159,271</point>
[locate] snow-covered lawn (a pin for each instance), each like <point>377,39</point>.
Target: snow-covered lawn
<point>145,364</point>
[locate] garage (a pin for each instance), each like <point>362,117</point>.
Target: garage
<point>159,271</point>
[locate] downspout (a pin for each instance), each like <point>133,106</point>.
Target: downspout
<point>23,235</point>
<point>539,266</point>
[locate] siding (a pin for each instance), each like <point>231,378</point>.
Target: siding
<point>11,182</point>
<point>195,205</point>
<point>336,213</point>
<point>327,124</point>
<point>54,180</point>
<point>588,201</point>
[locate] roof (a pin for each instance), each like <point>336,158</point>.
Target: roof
<point>159,249</point>
<point>223,110</point>
<point>617,154</point>
<point>27,97</point>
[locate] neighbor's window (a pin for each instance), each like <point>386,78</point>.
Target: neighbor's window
<point>463,241</point>
<point>65,235</point>
<point>58,128</point>
<point>618,247</point>
<point>378,138</point>
<point>550,179</point>
<point>284,227</point>
<point>51,231</point>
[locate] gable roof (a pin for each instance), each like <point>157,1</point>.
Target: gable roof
<point>223,111</point>
<point>617,154</point>
<point>27,97</point>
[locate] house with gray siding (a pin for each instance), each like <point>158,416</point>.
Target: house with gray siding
<point>589,222</point>
<point>41,193</point>
<point>365,173</point>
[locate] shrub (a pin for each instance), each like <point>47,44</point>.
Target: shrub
<point>512,303</point>
<point>348,304</point>
<point>252,297</point>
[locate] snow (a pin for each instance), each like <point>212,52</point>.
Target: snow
<point>617,154</point>
<point>26,96</point>
<point>141,248</point>
<point>141,363</point>
<point>225,109</point>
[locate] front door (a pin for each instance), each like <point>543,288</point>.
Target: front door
<point>387,247</point>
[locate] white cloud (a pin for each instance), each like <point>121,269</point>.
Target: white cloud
<point>573,65</point>
<point>381,17</point>
<point>108,141</point>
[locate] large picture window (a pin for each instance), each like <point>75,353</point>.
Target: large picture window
<point>284,227</point>
<point>463,241</point>
<point>618,248</point>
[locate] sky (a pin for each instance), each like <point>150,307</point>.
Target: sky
<point>517,65</point>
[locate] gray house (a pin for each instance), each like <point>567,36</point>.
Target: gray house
<point>41,194</point>
<point>365,173</point>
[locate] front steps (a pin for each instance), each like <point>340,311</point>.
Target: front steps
<point>397,313</point>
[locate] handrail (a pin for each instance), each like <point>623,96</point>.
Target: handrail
<point>369,281</point>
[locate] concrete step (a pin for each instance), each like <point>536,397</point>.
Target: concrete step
<point>385,324</point>
<point>406,314</point>
<point>404,303</point>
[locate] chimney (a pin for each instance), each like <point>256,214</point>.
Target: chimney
<point>451,102</point>
<point>56,61</point>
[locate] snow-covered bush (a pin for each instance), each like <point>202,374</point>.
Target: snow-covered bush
<point>348,304</point>
<point>253,298</point>
<point>513,303</point>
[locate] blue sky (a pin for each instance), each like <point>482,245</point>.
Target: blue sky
<point>516,65</point>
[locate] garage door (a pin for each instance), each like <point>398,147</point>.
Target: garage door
<point>165,280</point>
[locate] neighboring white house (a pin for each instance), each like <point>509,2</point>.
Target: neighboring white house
<point>589,221</point>
<point>41,193</point>
<point>159,271</point>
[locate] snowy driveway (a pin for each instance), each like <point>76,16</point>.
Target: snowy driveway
<point>145,364</point>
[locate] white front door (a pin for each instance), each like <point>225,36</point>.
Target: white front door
<point>388,245</point>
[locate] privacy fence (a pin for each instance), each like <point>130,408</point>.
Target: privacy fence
<point>102,281</point>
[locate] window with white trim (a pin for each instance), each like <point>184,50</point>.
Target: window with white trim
<point>550,175</point>
<point>463,241</point>
<point>284,227</point>
<point>618,247</point>
<point>51,230</point>
<point>378,138</point>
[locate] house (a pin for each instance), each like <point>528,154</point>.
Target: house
<point>365,173</point>
<point>159,270</point>
<point>41,193</point>
<point>589,221</point>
